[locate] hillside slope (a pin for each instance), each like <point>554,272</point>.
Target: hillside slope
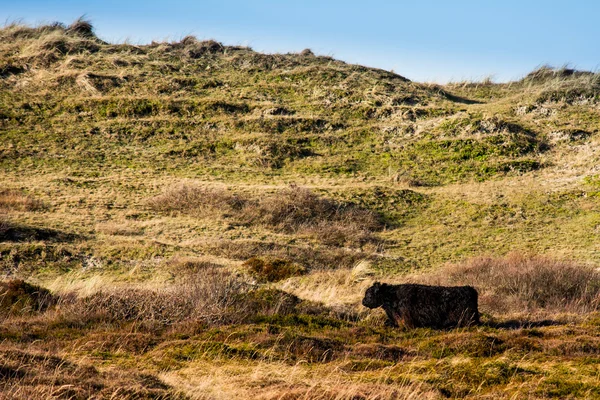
<point>490,159</point>
<point>126,169</point>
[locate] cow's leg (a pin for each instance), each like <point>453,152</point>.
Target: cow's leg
<point>408,319</point>
<point>391,321</point>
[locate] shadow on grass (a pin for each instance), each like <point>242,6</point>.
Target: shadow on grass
<point>458,99</point>
<point>10,232</point>
<point>520,324</point>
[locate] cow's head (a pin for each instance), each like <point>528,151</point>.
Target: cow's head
<point>373,296</point>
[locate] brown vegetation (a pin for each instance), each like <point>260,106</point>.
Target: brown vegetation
<point>32,375</point>
<point>211,296</point>
<point>292,210</point>
<point>17,201</point>
<point>20,297</point>
<point>525,283</point>
<point>268,269</point>
<point>196,200</point>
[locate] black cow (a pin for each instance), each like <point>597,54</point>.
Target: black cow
<point>425,306</point>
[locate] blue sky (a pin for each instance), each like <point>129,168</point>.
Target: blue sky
<point>427,40</point>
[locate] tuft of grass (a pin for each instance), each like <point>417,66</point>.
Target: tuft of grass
<point>81,27</point>
<point>15,200</point>
<point>268,269</point>
<point>20,297</point>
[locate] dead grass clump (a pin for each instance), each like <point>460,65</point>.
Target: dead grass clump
<point>343,234</point>
<point>64,45</point>
<point>139,305</point>
<point>15,200</point>
<point>54,46</point>
<point>189,265</point>
<point>5,227</point>
<point>265,302</point>
<point>377,351</point>
<point>546,73</point>
<point>522,283</point>
<point>81,27</point>
<point>313,349</point>
<point>19,297</point>
<point>307,53</point>
<point>9,69</point>
<point>17,31</point>
<point>189,40</point>
<point>577,90</point>
<point>197,49</point>
<point>299,210</point>
<point>293,210</point>
<point>211,297</point>
<point>97,83</point>
<point>196,200</point>
<point>270,269</point>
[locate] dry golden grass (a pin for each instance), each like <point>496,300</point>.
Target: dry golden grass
<point>270,381</point>
<point>340,287</point>
<point>38,375</point>
<point>208,339</point>
<point>14,200</point>
<point>19,297</point>
<point>294,210</point>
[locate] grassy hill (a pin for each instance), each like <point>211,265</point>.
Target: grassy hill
<point>206,219</point>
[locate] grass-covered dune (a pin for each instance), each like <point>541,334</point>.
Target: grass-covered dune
<point>192,220</point>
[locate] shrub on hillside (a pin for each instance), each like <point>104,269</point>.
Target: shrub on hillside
<point>190,266</point>
<point>209,297</point>
<point>517,283</point>
<point>198,49</point>
<point>295,208</point>
<point>269,302</point>
<point>81,27</point>
<point>292,210</point>
<point>269,269</point>
<point>546,73</point>
<point>196,200</point>
<point>212,297</point>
